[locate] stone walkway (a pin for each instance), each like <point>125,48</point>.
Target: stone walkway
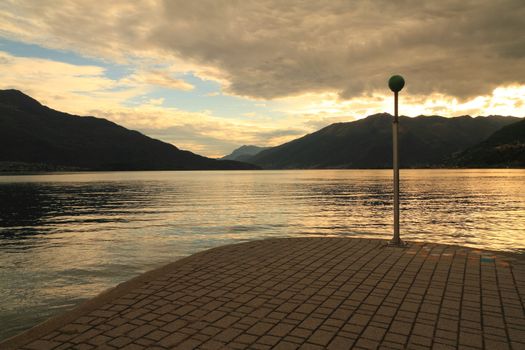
<point>305,293</point>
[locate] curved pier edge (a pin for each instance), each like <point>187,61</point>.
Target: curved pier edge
<point>257,261</point>
<point>93,303</point>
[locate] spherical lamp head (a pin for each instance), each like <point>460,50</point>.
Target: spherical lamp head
<point>396,83</point>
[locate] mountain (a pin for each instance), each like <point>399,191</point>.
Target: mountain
<point>424,141</point>
<point>244,152</point>
<point>39,137</point>
<point>504,148</point>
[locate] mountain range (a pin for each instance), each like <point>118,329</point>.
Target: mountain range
<point>504,148</point>
<point>245,152</point>
<point>424,141</point>
<point>35,137</point>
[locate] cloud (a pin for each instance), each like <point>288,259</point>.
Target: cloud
<point>156,101</point>
<point>270,49</point>
<point>74,88</point>
<point>158,78</point>
<point>77,88</point>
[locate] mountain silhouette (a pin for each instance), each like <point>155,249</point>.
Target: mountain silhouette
<point>244,152</point>
<point>424,141</point>
<point>43,138</point>
<point>504,148</point>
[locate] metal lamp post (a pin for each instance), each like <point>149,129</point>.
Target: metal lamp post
<point>396,83</point>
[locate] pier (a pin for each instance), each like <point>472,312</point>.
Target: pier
<point>305,293</point>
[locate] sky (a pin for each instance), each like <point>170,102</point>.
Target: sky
<point>210,75</point>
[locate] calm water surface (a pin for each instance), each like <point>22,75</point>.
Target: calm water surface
<point>67,237</point>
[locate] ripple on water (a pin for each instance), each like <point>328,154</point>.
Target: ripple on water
<point>67,237</point>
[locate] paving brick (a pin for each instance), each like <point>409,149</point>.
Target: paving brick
<point>189,344</point>
<point>311,323</point>
<point>399,327</point>
<point>133,347</point>
<point>269,340</point>
<point>260,328</point>
<point>374,333</point>
<point>359,319</point>
<point>86,336</point>
<point>42,345</point>
<point>366,344</point>
<point>499,345</point>
<point>321,337</point>
<point>139,332</point>
<point>285,345</point>
<point>246,339</point>
<point>120,330</point>
<point>470,339</point>
<point>309,346</point>
<point>174,326</point>
<point>74,328</point>
<point>420,340</point>
<point>228,335</point>
<point>225,321</point>
<point>340,342</point>
<point>120,342</point>
<point>212,345</point>
<point>172,340</point>
<point>99,340</point>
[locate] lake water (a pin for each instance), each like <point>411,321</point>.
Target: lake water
<point>67,237</point>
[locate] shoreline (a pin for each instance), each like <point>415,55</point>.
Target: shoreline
<point>72,172</point>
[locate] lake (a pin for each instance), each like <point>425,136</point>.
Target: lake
<point>67,237</point>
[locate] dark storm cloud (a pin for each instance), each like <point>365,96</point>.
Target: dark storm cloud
<point>269,49</point>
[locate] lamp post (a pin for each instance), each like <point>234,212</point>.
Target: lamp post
<point>396,83</point>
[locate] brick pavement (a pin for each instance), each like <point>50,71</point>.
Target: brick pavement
<point>306,293</point>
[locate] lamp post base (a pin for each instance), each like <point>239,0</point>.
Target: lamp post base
<point>398,243</point>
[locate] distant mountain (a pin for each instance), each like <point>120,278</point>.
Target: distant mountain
<point>504,148</point>
<point>244,152</point>
<point>424,141</point>
<point>33,136</point>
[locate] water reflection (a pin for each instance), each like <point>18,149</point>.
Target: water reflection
<point>67,237</point>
